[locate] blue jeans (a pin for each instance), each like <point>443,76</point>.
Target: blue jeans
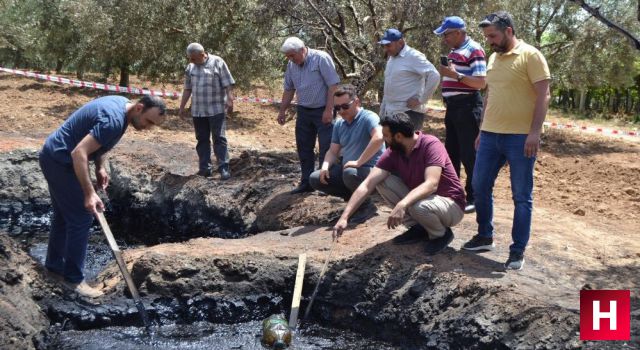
<point>494,151</point>
<point>70,223</point>
<point>208,128</point>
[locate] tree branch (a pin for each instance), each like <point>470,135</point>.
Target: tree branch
<point>330,28</point>
<point>327,40</point>
<point>354,13</point>
<point>596,13</point>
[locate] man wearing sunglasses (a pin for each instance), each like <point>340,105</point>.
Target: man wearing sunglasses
<point>358,137</point>
<point>311,75</point>
<point>409,79</point>
<point>416,177</point>
<point>515,104</point>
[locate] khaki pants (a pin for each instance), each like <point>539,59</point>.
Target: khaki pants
<point>434,213</point>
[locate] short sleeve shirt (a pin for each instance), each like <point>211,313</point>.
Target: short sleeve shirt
<point>511,99</point>
<point>468,60</point>
<point>311,81</point>
<point>428,151</point>
<point>354,137</point>
<point>207,83</point>
<point>104,118</point>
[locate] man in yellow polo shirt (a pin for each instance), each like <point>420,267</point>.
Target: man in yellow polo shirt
<point>516,103</point>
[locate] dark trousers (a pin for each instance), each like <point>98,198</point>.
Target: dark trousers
<point>309,127</point>
<point>342,182</point>
<point>211,127</point>
<point>70,222</point>
<point>461,121</point>
<point>417,119</point>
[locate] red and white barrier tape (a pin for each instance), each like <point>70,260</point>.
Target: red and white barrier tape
<point>115,88</point>
<point>163,93</point>
<point>592,129</point>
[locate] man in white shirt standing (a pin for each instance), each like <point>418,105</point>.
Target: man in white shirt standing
<point>409,79</point>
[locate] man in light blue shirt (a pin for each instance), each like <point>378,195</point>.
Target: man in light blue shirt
<point>311,75</point>
<point>358,137</point>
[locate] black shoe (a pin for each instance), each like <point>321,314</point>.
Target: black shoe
<point>479,243</point>
<point>435,246</point>
<point>205,173</point>
<point>302,188</point>
<point>225,174</point>
<point>515,261</point>
<point>414,234</point>
<point>470,208</point>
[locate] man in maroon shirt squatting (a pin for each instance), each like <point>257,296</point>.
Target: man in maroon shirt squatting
<point>415,176</point>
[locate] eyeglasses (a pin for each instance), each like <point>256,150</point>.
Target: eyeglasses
<point>344,106</point>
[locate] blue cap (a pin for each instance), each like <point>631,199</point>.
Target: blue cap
<point>453,22</point>
<point>390,35</point>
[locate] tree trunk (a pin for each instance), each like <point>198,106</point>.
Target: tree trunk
<point>59,65</point>
<point>583,99</point>
<point>124,75</point>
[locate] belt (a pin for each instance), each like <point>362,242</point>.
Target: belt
<point>310,108</point>
<point>461,97</point>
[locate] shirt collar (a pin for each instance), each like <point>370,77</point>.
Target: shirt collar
<point>516,50</point>
<point>354,118</point>
<point>404,50</point>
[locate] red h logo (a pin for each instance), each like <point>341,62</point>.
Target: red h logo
<point>605,315</point>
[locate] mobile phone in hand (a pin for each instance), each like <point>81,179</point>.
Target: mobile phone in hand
<point>444,60</point>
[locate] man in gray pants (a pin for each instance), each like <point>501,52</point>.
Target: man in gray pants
<point>311,75</point>
<point>358,137</point>
<point>210,85</point>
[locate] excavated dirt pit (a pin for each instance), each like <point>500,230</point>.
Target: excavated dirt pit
<point>211,259</point>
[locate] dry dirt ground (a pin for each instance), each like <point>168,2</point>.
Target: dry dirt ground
<point>586,220</point>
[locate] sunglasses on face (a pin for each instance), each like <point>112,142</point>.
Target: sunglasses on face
<point>344,106</point>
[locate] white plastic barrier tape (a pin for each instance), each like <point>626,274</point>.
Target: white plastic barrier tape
<point>115,88</point>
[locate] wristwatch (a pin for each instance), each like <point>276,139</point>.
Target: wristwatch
<point>459,77</point>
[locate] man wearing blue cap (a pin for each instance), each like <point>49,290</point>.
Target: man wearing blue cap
<point>462,79</point>
<point>409,79</point>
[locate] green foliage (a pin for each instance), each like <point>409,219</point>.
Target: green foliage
<point>149,38</point>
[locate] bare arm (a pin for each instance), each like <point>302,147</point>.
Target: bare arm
<point>485,99</point>
<point>327,115</point>
<point>476,82</point>
<point>367,186</point>
<point>539,113</point>
<point>102,177</point>
<point>230,98</point>
<point>186,94</point>
<point>428,187</point>
<point>372,148</point>
<point>287,97</point>
<point>80,158</point>
<point>329,158</point>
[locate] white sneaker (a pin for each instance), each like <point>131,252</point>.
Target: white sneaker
<point>470,208</point>
<point>83,289</point>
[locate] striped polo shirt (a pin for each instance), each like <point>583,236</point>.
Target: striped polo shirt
<point>468,59</point>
